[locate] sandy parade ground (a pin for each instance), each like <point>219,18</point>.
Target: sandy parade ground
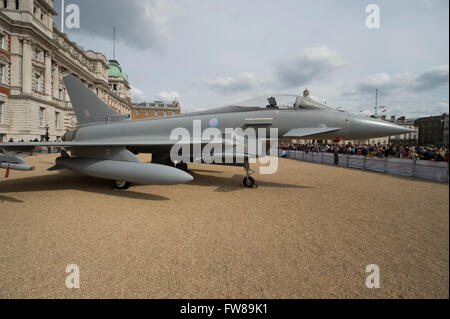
<point>308,231</point>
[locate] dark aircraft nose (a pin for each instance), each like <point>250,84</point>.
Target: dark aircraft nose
<point>367,127</point>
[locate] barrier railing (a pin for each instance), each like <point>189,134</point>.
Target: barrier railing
<point>437,171</point>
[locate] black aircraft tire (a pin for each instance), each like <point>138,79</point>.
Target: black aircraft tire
<point>249,182</point>
<point>121,185</point>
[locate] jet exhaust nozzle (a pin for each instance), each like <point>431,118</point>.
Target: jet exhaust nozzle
<point>134,172</point>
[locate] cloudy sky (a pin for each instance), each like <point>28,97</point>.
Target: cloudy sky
<point>211,53</point>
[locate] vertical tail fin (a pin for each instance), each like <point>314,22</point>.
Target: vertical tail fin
<point>87,106</point>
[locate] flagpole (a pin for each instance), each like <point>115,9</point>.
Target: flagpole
<point>376,102</point>
<point>114,42</point>
<point>62,16</point>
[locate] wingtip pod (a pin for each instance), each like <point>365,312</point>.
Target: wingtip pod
<point>135,172</point>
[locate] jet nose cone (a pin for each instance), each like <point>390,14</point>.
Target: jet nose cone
<point>367,127</point>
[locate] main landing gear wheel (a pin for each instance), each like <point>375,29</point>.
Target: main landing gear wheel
<point>121,184</point>
<point>182,166</point>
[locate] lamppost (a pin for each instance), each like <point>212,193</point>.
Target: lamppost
<point>47,137</point>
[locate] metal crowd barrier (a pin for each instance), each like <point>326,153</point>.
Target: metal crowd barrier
<point>437,171</point>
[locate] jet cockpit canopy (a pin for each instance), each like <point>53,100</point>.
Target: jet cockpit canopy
<point>282,101</point>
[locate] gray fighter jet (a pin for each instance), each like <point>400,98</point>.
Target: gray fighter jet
<point>105,143</point>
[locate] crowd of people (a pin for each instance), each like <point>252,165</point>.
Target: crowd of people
<point>429,152</point>
<point>38,149</point>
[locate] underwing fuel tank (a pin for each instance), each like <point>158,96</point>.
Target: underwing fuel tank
<point>17,167</point>
<point>134,172</point>
<point>15,163</point>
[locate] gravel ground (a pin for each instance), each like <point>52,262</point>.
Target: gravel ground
<point>307,232</point>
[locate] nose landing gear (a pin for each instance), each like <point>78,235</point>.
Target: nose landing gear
<point>249,181</point>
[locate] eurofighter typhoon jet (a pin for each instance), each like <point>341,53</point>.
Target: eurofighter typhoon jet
<point>105,143</point>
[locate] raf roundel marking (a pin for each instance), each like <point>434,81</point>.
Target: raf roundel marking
<point>213,122</point>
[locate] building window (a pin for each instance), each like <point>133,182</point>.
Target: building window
<point>17,5</point>
<point>138,113</point>
<point>2,41</point>
<point>37,54</point>
<point>41,116</point>
<point>147,113</point>
<point>1,72</point>
<point>36,83</point>
<point>156,113</point>
<point>5,4</point>
<point>1,112</point>
<point>56,119</point>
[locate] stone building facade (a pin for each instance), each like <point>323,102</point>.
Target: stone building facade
<point>155,109</point>
<point>433,130</point>
<point>34,57</point>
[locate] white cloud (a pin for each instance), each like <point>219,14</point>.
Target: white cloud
<point>162,14</point>
<point>315,63</point>
<point>431,79</point>
<point>137,95</point>
<point>443,105</point>
<point>385,82</point>
<point>232,84</point>
<point>409,110</point>
<point>140,24</point>
<point>168,97</point>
